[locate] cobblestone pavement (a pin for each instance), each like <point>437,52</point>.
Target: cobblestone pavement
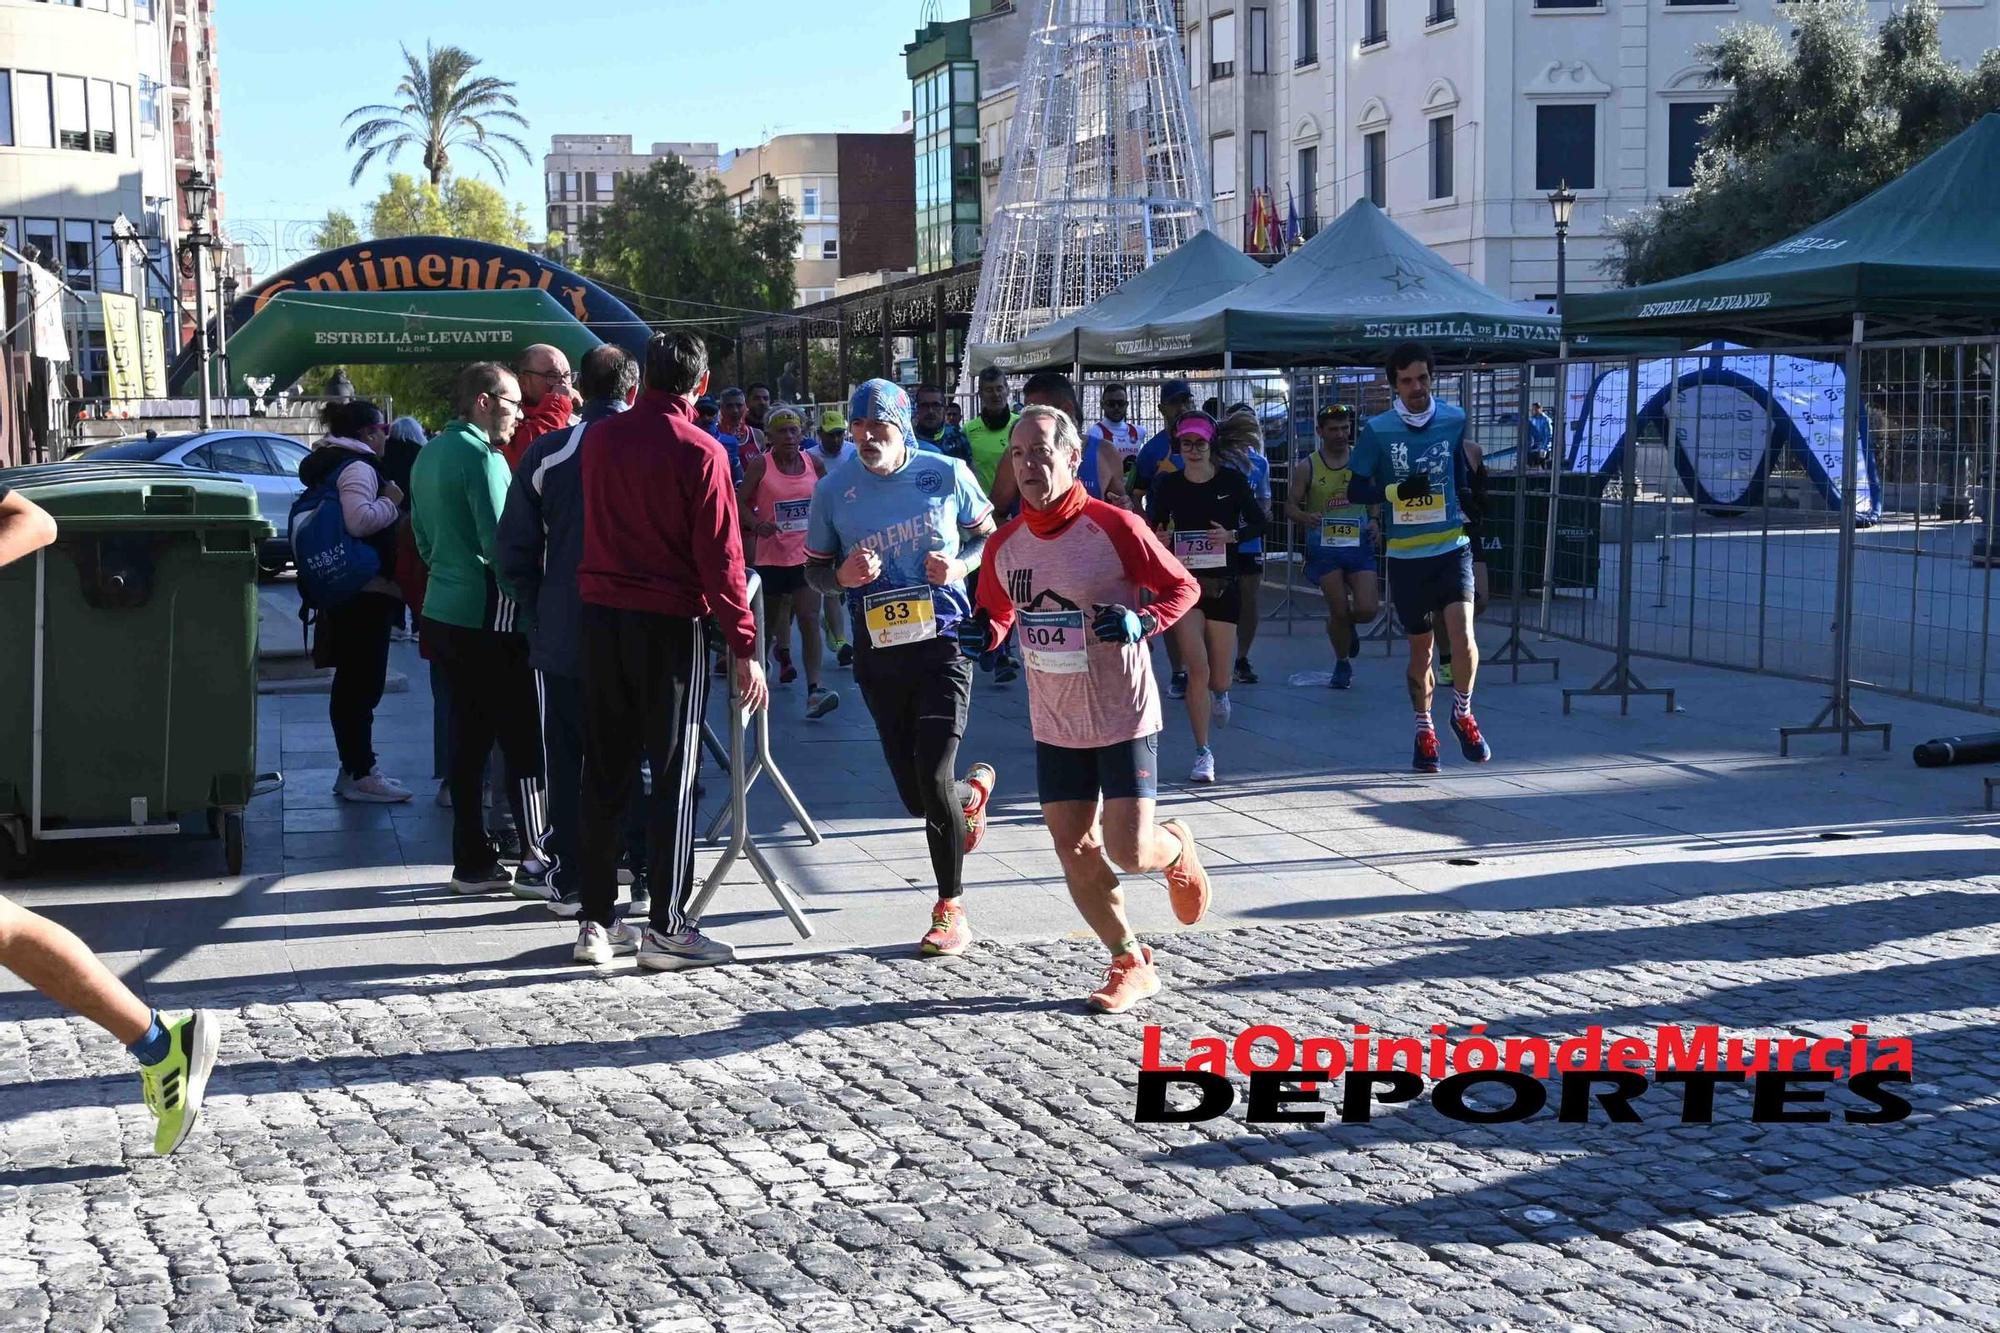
<point>868,1140</point>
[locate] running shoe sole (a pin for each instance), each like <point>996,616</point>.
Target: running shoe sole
<point>468,887</point>
<point>1190,900</point>
<point>674,962</point>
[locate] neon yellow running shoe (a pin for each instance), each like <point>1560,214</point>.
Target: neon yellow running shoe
<point>174,1086</point>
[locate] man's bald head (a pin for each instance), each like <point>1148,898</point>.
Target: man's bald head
<point>543,370</point>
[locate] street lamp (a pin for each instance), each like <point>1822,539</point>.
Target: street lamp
<point>1562,202</point>
<point>197,188</point>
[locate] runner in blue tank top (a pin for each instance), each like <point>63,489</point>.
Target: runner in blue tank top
<point>1413,458</point>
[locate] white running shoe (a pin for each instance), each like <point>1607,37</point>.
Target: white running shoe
<point>675,953</point>
<point>1204,766</point>
<point>373,789</point>
<point>598,945</point>
<point>1220,708</point>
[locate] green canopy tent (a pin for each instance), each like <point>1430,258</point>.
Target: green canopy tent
<point>297,330</point>
<point>1918,256</point>
<point>1204,267</point>
<point>1345,298</point>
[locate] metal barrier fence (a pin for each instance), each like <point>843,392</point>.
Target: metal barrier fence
<point>1696,508</point>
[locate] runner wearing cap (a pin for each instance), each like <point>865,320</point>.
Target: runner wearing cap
<point>832,447</point>
<point>1071,571</point>
<point>1340,538</point>
<point>1413,459</point>
<point>896,530</point>
<point>774,500</point>
<point>1206,509</point>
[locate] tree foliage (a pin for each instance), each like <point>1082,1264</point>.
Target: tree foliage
<point>1811,124</point>
<point>337,231</point>
<point>443,107</point>
<point>464,207</point>
<point>672,234</point>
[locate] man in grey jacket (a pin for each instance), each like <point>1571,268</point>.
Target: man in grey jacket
<point>540,544</point>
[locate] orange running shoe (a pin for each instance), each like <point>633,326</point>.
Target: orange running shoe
<point>1130,979</point>
<point>1187,882</point>
<point>950,935</point>
<point>980,779</point>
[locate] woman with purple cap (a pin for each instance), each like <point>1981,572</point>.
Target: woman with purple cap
<point>895,531</point>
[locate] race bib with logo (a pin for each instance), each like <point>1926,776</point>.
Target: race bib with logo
<point>902,615</point>
<point>791,515</point>
<point>1200,550</point>
<point>1339,533</point>
<point>1053,642</point>
<point>1429,509</point>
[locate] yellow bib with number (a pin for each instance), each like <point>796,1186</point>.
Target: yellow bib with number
<point>903,615</point>
<point>1429,509</point>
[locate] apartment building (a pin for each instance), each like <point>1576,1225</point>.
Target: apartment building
<point>581,174</point>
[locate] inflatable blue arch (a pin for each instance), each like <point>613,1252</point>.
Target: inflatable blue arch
<point>410,264</point>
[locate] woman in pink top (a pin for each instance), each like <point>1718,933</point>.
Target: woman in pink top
<point>774,499</point>
<point>1068,572</point>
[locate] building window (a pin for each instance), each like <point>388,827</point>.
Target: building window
<point>607,185</point>
<point>72,113</point>
<point>122,117</point>
<point>1260,41</point>
<point>1569,4</point>
<point>1260,160</point>
<point>149,106</point>
<point>1441,163</point>
<point>1566,146</point>
<point>144,9</point>
<point>34,112</point>
<point>103,124</point>
<point>829,249</point>
<point>1222,165</point>
<point>809,202</point>
<point>43,235</point>
<point>79,255</point>
<point>1194,57</point>
<point>110,261</point>
<point>1375,167</point>
<point>1377,29</point>
<point>1308,187</point>
<point>1306,26</point>
<point>1222,47</point>
<point>6,110</point>
<point>1685,136</point>
<point>1443,11</point>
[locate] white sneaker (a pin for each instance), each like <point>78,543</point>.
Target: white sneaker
<point>674,953</point>
<point>444,795</point>
<point>1204,766</point>
<point>1220,709</point>
<point>374,789</point>
<point>598,945</point>
<point>397,783</point>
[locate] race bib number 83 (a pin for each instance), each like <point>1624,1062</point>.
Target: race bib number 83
<point>903,615</point>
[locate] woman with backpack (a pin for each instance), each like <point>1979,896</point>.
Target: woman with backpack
<point>352,634</point>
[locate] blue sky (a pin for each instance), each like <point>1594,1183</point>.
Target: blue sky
<point>723,70</point>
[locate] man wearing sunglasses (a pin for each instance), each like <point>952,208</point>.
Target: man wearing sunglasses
<point>460,486</point>
<point>547,402</point>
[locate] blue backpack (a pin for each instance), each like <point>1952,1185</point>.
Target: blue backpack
<point>333,563</point>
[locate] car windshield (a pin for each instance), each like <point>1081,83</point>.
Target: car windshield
<point>136,450</point>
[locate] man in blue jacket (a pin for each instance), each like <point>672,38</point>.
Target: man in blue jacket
<point>540,543</point>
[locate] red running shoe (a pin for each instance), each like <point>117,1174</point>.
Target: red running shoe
<point>1469,740</point>
<point>1426,760</point>
<point>949,935</point>
<point>980,779</point>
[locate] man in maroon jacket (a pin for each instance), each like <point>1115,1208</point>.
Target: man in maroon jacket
<point>661,550</point>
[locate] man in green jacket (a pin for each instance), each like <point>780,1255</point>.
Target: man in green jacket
<point>457,490</point>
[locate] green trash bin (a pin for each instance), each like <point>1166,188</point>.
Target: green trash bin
<point>128,672</point>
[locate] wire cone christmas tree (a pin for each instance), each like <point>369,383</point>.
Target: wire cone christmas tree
<point>1101,177</point>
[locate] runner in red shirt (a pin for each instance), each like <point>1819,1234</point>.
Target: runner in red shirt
<point>1069,570</point>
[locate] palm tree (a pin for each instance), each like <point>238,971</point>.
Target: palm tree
<point>443,108</point>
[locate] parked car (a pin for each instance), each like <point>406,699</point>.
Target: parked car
<point>267,463</point>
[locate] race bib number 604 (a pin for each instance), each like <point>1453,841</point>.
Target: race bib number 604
<point>1053,642</point>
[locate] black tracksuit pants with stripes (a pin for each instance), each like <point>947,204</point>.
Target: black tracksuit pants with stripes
<point>645,689</point>
<point>493,699</point>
